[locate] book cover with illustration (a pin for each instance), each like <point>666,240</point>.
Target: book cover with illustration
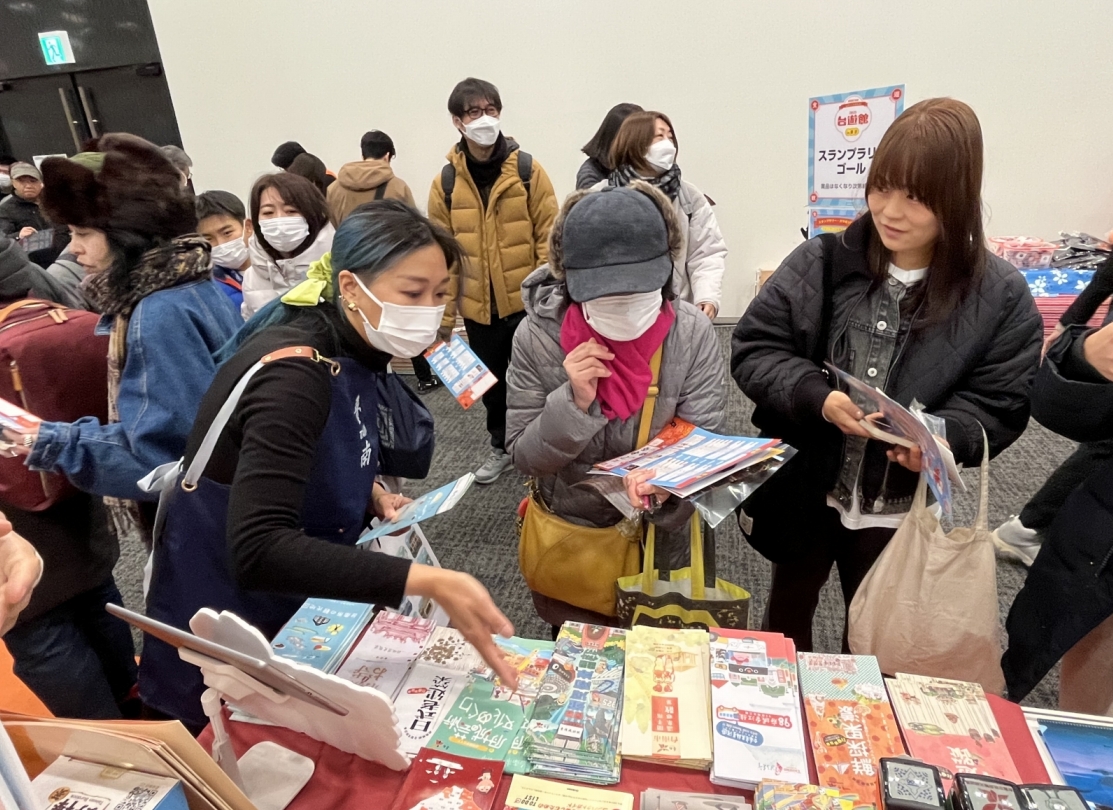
<point>850,721</point>
<point>664,714</point>
<point>573,731</point>
<point>950,724</point>
<point>388,649</point>
<point>321,632</point>
<point>755,709</point>
<point>487,720</point>
<point>440,781</point>
<point>423,700</point>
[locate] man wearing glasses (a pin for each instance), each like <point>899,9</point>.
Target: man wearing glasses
<point>499,203</point>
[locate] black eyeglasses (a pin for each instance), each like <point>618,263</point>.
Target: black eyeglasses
<point>475,112</point>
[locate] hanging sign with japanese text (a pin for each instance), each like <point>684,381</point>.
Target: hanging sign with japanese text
<point>843,133</point>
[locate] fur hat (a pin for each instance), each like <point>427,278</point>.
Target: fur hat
<point>121,182</point>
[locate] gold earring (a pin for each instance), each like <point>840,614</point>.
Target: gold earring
<point>350,304</point>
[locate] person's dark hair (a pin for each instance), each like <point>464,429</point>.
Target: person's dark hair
<point>177,156</point>
<point>634,139</point>
<point>285,153</point>
<point>7,160</point>
<point>298,192</point>
<point>220,204</point>
<point>599,147</point>
<point>313,169</point>
<point>376,145</point>
<point>371,240</point>
<point>471,91</point>
<point>934,152</point>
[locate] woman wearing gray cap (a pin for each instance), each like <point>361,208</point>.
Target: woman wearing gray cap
<point>600,316</point>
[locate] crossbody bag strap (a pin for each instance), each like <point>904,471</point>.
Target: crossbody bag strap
<point>201,459</point>
<point>650,403</point>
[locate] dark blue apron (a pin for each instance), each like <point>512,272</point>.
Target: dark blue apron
<point>193,567</point>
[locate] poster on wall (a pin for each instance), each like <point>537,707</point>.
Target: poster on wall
<point>843,133</point>
<point>830,220</point>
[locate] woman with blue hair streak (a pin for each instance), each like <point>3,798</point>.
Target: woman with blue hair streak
<point>280,483</point>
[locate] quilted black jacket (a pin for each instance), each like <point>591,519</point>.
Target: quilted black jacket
<point>973,369</point>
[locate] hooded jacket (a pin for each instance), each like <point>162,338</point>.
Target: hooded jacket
<point>265,279</point>
<point>357,183</point>
<point>551,439</point>
<point>504,242</point>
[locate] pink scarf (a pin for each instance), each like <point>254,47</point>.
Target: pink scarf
<point>623,393</point>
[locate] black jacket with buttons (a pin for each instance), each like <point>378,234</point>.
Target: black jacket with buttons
<point>973,369</point>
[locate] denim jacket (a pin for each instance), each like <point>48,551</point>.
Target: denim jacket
<point>172,337</point>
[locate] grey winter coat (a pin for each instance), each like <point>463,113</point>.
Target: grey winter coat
<point>551,439</point>
<point>973,369</point>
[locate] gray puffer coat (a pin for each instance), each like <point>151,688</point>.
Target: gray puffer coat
<point>551,439</point>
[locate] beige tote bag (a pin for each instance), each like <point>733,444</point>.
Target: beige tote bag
<point>929,604</point>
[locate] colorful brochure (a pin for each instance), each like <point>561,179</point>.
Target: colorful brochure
<point>573,732</point>
<point>686,459</point>
<point>388,649</point>
<point>527,793</point>
<point>321,632</point>
<point>423,701</point>
<point>428,505</point>
<point>755,709</point>
<point>664,713</point>
<point>440,781</point>
<point>851,724</point>
<point>461,370</point>
<point>951,725</point>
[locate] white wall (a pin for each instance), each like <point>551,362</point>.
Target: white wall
<point>734,75</point>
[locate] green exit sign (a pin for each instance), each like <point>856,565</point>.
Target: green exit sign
<point>56,47</point>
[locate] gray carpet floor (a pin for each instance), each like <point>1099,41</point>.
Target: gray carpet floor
<point>479,537</point>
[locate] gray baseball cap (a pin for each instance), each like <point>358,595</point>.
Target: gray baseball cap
<point>25,170</point>
<point>615,243</point>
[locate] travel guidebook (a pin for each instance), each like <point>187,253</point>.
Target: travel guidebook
<point>321,632</point>
<point>686,459</point>
<point>664,712</point>
<point>755,709</point>
<point>430,504</point>
<point>951,725</point>
<point>573,732</point>
<point>850,722</point>
<point>487,719</point>
<point>384,655</point>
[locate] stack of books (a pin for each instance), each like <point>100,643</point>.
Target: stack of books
<point>388,649</point>
<point>574,729</point>
<point>851,723</point>
<point>755,709</point>
<point>434,683</point>
<point>322,632</point>
<point>664,714</point>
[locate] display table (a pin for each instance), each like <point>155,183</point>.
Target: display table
<point>343,781</point>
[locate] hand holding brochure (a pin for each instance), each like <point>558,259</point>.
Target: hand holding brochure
<point>901,426</point>
<point>430,504</point>
<point>686,459</point>
<point>15,420</point>
<point>461,370</point>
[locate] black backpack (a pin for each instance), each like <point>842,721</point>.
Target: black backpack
<point>448,177</point>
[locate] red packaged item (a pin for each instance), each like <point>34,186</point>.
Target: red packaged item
<point>440,781</point>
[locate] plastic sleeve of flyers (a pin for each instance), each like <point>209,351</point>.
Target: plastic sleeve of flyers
<point>462,372</point>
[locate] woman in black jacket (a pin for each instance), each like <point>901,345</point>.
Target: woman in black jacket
<point>598,150</point>
<point>919,308</point>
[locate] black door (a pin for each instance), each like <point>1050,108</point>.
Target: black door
<point>41,116</point>
<point>131,99</point>
<point>56,114</point>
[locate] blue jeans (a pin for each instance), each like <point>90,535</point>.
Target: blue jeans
<point>78,659</point>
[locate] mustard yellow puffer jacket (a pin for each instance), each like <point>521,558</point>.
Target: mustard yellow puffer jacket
<point>504,244</point>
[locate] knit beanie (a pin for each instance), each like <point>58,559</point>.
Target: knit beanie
<point>120,182</point>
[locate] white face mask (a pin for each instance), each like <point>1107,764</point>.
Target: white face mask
<point>623,317</point>
<point>483,130</point>
<point>661,154</point>
<point>284,234</point>
<point>5,184</point>
<point>231,254</point>
<point>404,331</point>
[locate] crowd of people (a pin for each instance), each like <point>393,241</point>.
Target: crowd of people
<point>254,427</point>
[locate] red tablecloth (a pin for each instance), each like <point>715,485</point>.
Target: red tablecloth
<point>344,781</point>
